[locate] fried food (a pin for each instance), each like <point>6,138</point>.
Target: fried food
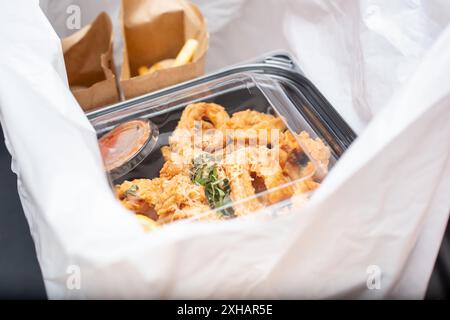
<point>289,144</point>
<point>169,198</point>
<point>179,154</point>
<point>250,119</point>
<point>316,148</point>
<point>143,70</point>
<point>171,169</point>
<point>186,53</point>
<point>183,57</point>
<point>209,115</point>
<point>139,195</point>
<point>255,168</point>
<point>264,163</point>
<point>206,169</point>
<point>166,151</point>
<point>241,188</point>
<point>163,64</point>
<point>307,184</point>
<point>250,125</point>
<point>177,194</point>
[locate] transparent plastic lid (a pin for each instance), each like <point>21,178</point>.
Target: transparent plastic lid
<point>125,146</point>
<point>215,188</point>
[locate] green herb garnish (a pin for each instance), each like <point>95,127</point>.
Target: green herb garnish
<point>217,190</point>
<point>131,190</point>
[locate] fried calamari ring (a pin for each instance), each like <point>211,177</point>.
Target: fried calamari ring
<point>241,188</point>
<point>250,119</point>
<point>247,164</point>
<point>265,164</point>
<point>249,125</point>
<point>290,149</point>
<point>289,144</point>
<point>210,115</point>
<point>314,147</point>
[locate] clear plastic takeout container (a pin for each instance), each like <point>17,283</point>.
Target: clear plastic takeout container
<point>235,91</point>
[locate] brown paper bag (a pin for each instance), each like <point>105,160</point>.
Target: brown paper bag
<point>154,30</point>
<point>88,55</point>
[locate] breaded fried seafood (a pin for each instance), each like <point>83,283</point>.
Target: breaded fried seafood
<point>219,166</point>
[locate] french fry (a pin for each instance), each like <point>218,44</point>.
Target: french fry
<point>184,56</point>
<point>163,64</point>
<point>143,70</point>
<point>186,53</point>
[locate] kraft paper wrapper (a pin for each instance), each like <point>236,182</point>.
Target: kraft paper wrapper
<point>154,30</point>
<point>88,55</point>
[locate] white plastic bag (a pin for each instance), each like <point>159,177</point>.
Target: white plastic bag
<point>380,212</point>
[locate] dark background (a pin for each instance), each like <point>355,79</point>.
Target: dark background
<point>20,275</point>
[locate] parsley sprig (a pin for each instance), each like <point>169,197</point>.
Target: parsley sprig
<point>217,190</point>
<point>131,190</point>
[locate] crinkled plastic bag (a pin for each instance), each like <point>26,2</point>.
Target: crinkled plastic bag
<point>372,230</point>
